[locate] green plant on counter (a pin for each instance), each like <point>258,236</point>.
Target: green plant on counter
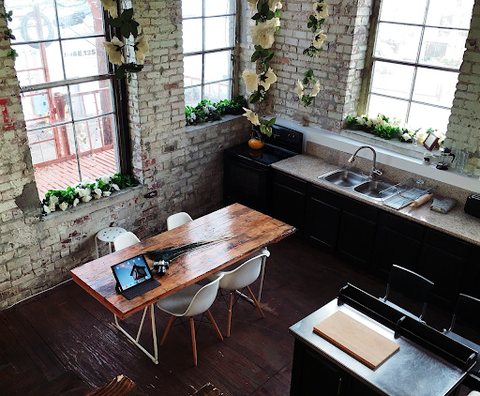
<point>207,111</point>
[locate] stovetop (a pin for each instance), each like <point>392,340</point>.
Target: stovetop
<point>266,155</point>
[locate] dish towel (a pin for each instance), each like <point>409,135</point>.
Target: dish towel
<point>442,205</point>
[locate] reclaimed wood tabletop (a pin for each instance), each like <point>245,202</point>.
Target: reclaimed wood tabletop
<point>245,231</point>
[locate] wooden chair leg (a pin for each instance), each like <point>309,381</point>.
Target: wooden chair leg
<point>229,319</point>
<point>167,329</point>
<point>194,343</point>
<point>214,324</point>
<point>255,301</point>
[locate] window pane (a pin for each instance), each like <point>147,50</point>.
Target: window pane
<point>213,26</point>
<point>191,8</point>
<point>219,7</point>
<point>422,116</point>
<point>91,99</point>
<point>32,70</point>
<point>192,96</point>
<point>443,47</point>
<point>397,42</point>
<point>217,66</point>
<point>450,14</point>
<point>84,58</point>
<point>192,66</point>
<point>389,107</point>
<point>93,134</point>
<point>79,18</point>
<point>435,87</point>
<point>392,79</point>
<point>42,145</point>
<point>192,35</point>
<point>217,92</point>
<point>407,11</point>
<point>34,21</point>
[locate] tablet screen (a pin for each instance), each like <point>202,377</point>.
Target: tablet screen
<point>131,272</point>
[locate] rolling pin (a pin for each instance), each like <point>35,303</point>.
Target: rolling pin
<point>421,200</point>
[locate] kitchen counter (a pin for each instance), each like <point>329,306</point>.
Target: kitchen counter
<point>456,222</point>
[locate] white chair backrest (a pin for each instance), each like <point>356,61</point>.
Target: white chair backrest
<point>178,219</point>
<point>245,274</point>
<point>204,298</point>
<point>125,240</point>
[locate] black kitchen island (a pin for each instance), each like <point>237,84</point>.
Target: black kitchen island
<point>427,363</point>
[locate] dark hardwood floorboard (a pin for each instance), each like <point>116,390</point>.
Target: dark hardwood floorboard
<point>66,330</point>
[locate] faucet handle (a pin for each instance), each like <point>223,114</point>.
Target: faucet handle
<point>377,171</point>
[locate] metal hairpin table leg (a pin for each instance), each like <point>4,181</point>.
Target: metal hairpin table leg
<point>154,357</point>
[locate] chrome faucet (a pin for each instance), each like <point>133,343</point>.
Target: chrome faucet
<point>374,170</point>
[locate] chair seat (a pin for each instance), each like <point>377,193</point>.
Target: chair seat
<point>177,303</point>
<point>399,309</point>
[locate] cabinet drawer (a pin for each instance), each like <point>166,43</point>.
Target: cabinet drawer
<point>401,226</point>
<point>326,196</point>
<point>362,210</point>
<point>292,182</point>
<point>448,243</point>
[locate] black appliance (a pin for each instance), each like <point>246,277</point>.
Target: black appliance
<point>472,205</point>
<point>247,177</point>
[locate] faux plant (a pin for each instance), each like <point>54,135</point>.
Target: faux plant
<point>267,22</point>
<point>308,81</point>
<point>117,49</point>
<point>207,111</point>
<point>11,53</point>
<point>85,192</point>
<point>389,128</point>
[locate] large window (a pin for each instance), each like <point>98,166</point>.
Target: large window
<point>208,46</point>
<point>418,51</point>
<point>67,93</point>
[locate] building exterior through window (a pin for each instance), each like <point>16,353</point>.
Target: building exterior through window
<point>419,46</point>
<point>67,92</point>
<point>208,47</point>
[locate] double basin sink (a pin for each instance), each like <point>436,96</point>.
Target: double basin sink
<point>348,179</point>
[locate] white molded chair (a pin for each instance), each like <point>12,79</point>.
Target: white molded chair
<point>125,240</point>
<point>242,277</point>
<point>178,219</point>
<point>188,302</point>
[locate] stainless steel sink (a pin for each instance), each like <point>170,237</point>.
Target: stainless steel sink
<point>344,178</point>
<point>376,189</point>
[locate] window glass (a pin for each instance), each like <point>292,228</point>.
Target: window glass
<point>219,7</point>
<point>217,66</point>
<point>406,11</point>
<point>447,13</point>
<point>71,127</point>
<point>443,48</point>
<point>192,35</point>
<point>383,83</point>
<point>435,87</point>
<point>213,40</point>
<point>398,42</point>
<point>191,8</point>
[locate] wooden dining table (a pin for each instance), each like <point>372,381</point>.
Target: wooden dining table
<point>236,232</point>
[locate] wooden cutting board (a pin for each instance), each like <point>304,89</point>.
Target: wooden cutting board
<point>358,340</point>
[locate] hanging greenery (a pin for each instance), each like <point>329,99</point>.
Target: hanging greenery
<point>11,53</point>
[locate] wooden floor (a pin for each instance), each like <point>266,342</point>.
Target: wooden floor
<point>66,333</point>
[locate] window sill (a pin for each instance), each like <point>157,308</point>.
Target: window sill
<point>85,209</point>
<point>399,155</point>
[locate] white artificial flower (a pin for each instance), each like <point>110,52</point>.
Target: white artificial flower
<point>87,198</point>
<point>263,33</point>
<point>269,77</point>
<point>53,200</point>
<point>98,191</point>
<point>251,80</point>
<point>141,48</point>
<point>106,193</point>
<point>319,40</point>
<point>441,137</point>
<point>421,136</point>
<point>63,205</point>
<point>274,5</point>
<point>299,89</point>
<point>251,116</point>
<point>320,10</point>
<point>361,120</point>
<point>111,7</point>
<point>315,89</point>
<point>406,136</point>
<point>369,123</point>
<point>75,202</point>
<point>106,179</point>
<point>114,51</point>
<point>383,123</point>
<point>97,196</point>
<point>51,206</point>
<point>46,209</point>
<point>115,187</point>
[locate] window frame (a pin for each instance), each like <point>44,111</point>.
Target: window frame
<point>233,49</point>
<point>370,60</point>
<point>118,93</point>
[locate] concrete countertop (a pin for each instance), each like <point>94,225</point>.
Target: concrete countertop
<point>456,222</point>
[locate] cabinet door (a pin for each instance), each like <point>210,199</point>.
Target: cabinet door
<point>289,199</point>
<point>313,375</point>
<point>357,232</point>
<point>443,260</point>
<point>471,277</point>
<point>398,241</point>
<point>322,220</point>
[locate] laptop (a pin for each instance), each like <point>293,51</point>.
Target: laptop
<point>134,277</point>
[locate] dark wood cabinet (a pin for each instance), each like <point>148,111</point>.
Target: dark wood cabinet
<point>323,214</point>
<point>289,199</point>
<point>314,375</point>
<point>398,241</point>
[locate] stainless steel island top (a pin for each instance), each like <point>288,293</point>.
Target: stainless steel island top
<point>413,370</point>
